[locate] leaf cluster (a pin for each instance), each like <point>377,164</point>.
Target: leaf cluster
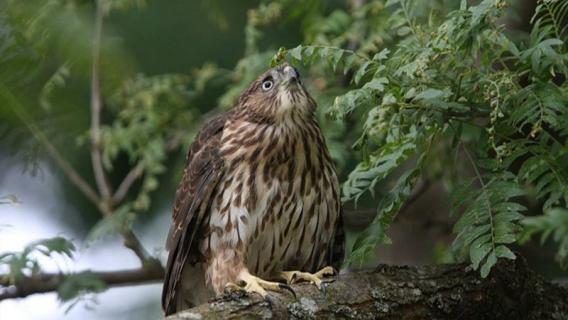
<point>456,78</point>
<point>25,263</point>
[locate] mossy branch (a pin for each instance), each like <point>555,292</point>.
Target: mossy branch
<point>454,291</point>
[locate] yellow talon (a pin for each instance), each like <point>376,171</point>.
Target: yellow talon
<point>252,284</point>
<point>292,277</point>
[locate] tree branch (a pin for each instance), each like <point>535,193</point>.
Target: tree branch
<point>136,172</point>
<point>44,283</point>
<point>128,181</point>
<point>130,239</point>
<point>132,243</point>
<point>103,184</point>
<point>101,200</point>
<point>96,108</point>
<point>455,291</point>
<point>52,151</point>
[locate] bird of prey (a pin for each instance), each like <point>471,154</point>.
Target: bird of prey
<point>259,199</point>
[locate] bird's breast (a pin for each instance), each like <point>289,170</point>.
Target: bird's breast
<point>278,200</point>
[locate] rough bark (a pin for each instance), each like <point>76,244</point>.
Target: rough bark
<point>454,291</point>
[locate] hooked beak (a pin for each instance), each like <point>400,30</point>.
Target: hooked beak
<point>290,74</point>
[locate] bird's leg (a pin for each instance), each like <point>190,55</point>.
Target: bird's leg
<point>313,278</point>
<point>252,284</point>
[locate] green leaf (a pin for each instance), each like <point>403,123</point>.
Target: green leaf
<point>431,94</point>
<point>490,219</point>
<point>377,84</point>
<point>382,55</point>
<point>296,53</point>
<point>504,252</point>
<point>9,199</point>
<point>76,284</point>
<point>337,57</point>
<point>54,245</point>
<point>479,250</point>
<point>361,72</point>
<point>489,263</point>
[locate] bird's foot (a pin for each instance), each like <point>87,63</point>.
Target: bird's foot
<point>251,284</point>
<point>292,277</point>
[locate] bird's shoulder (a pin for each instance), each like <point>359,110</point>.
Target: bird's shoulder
<point>202,168</point>
<point>209,135</point>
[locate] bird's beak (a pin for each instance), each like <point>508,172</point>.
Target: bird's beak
<point>290,74</point>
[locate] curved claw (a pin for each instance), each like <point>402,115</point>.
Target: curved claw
<point>335,271</point>
<point>317,278</point>
<point>323,288</point>
<point>327,271</point>
<point>288,288</point>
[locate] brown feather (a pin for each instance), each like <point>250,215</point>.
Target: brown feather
<point>258,194</point>
<point>203,170</point>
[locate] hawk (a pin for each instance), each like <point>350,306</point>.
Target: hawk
<point>259,199</point>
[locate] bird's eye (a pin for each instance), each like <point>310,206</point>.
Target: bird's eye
<point>267,85</point>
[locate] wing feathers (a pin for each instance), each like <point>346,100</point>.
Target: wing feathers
<point>204,168</point>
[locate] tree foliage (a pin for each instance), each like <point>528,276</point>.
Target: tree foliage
<point>456,78</point>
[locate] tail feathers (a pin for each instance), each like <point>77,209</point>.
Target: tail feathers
<point>337,251</point>
<point>192,290</point>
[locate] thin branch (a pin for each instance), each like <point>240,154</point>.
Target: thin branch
<point>133,243</point>
<point>128,181</point>
<point>418,192</point>
<point>137,171</point>
<point>130,239</point>
<point>96,108</point>
<point>104,205</point>
<point>360,218</point>
<point>52,151</point>
<point>49,282</point>
<point>103,184</point>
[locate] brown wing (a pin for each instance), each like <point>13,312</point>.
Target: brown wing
<point>201,175</point>
<point>337,250</point>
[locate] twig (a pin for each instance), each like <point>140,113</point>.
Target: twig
<point>137,171</point>
<point>103,205</point>
<point>49,282</point>
<point>103,184</point>
<point>96,107</point>
<point>360,218</point>
<point>130,240</point>
<point>132,243</point>
<point>417,193</point>
<point>128,181</point>
<point>52,151</point>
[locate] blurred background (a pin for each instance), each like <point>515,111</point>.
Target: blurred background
<point>153,71</point>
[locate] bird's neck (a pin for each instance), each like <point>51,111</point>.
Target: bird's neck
<point>246,138</point>
<point>284,110</point>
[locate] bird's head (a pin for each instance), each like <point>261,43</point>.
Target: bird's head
<point>277,93</point>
